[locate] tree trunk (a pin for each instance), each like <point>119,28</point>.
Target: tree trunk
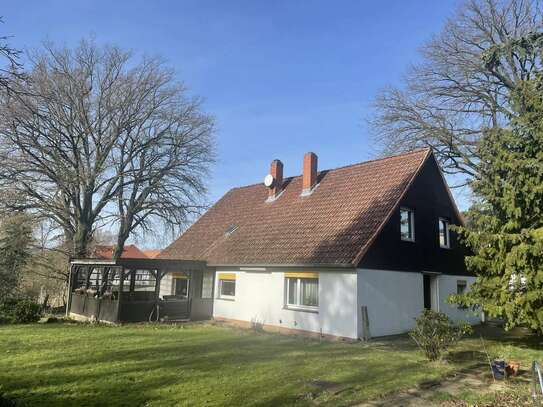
<point>81,240</point>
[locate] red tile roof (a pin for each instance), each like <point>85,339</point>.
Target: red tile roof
<point>333,226</point>
<point>130,252</point>
<point>151,253</point>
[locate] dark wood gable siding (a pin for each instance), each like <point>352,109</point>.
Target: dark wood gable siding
<point>428,197</point>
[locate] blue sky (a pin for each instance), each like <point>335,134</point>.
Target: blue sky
<point>281,77</point>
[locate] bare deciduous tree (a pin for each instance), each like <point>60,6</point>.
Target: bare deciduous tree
<point>454,94</point>
<point>11,66</point>
<point>95,138</point>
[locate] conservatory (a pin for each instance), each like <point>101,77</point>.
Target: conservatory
<point>138,290</point>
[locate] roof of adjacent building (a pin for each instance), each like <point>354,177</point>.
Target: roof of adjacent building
<point>129,252</point>
<point>152,253</point>
<point>334,225</point>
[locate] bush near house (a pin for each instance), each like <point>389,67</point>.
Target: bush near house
<point>19,311</point>
<point>434,333</point>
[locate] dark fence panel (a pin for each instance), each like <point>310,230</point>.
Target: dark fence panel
<point>108,310</point>
<point>174,309</point>
<point>136,311</point>
<point>201,309</point>
<point>77,305</point>
<point>91,307</point>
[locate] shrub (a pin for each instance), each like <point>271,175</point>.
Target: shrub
<point>434,332</point>
<point>6,402</point>
<point>19,311</point>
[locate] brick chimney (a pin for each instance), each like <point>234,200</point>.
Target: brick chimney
<point>310,173</point>
<point>276,171</point>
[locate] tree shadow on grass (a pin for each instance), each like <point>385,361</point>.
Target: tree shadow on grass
<point>133,366</point>
<point>251,363</point>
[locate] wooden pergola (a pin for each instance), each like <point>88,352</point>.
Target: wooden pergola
<point>129,290</point>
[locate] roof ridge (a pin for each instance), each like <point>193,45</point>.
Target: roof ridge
<point>406,153</point>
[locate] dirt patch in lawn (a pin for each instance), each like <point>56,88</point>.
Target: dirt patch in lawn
<point>474,386</point>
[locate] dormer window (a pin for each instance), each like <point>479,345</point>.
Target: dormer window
<point>407,224</point>
<point>444,236</point>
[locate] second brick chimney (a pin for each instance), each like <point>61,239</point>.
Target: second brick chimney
<point>276,171</point>
<point>310,173</point>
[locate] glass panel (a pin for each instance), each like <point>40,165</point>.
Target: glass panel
<point>126,282</point>
<point>310,291</point>
<point>181,287</point>
<point>228,287</point>
<point>145,281</point>
<point>443,233</point>
<point>292,291</point>
<point>82,274</point>
<point>461,287</point>
<point>95,280</point>
<point>111,288</point>
<point>207,284</point>
<point>406,224</point>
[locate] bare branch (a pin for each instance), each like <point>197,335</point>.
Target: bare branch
<point>453,95</point>
<point>94,138</point>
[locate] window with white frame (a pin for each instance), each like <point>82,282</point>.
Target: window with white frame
<point>227,285</point>
<point>180,287</point>
<point>444,235</point>
<point>407,224</point>
<point>302,291</point>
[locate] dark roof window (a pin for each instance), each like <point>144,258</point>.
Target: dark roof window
<point>231,229</point>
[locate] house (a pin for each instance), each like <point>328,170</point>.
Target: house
<point>151,253</point>
<point>129,252</point>
<point>351,252</point>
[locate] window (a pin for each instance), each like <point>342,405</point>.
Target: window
<point>227,288</point>
<point>144,280</point>
<point>461,286</point>
<point>227,285</point>
<point>231,229</point>
<point>407,224</point>
<point>207,284</point>
<point>302,290</point>
<point>95,279</point>
<point>180,287</point>
<point>444,238</point>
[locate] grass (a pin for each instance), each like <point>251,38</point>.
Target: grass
<point>87,365</point>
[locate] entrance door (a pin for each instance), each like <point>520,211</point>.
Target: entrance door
<point>427,287</point>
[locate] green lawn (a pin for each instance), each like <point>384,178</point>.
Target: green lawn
<point>201,364</point>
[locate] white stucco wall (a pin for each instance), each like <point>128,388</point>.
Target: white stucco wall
<point>260,297</point>
<point>166,285</point>
<point>447,286</point>
<point>394,299</point>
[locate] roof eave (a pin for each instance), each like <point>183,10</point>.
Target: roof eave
<point>286,265</point>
